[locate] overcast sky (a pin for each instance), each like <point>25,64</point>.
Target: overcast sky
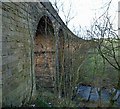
<point>84,11</point>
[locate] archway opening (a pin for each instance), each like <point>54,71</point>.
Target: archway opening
<point>44,54</point>
<point>61,50</point>
<point>61,63</point>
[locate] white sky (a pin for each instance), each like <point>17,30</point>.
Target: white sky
<point>84,11</point>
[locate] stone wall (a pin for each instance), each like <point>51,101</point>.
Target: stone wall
<point>0,56</point>
<point>20,23</point>
<point>119,18</point>
<point>16,53</point>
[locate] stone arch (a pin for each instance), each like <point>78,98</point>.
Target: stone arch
<point>41,16</point>
<point>45,26</point>
<point>61,49</point>
<point>44,53</point>
<point>61,43</point>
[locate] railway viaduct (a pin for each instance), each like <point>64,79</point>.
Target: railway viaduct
<point>37,51</point>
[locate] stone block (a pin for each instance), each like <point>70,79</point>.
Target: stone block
<point>84,92</point>
<point>94,96</point>
<point>9,59</point>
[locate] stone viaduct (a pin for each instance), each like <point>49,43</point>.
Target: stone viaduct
<point>119,19</point>
<point>38,51</point>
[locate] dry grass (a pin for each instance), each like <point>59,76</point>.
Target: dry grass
<point>50,98</point>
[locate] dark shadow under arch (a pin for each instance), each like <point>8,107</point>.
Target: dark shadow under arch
<point>45,26</point>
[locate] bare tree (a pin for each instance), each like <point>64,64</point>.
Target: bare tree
<point>57,5</point>
<point>107,39</point>
<point>67,13</point>
<point>77,31</point>
<point>108,43</point>
<point>64,88</point>
<point>68,16</point>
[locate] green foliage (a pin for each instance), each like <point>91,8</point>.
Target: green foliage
<point>41,103</point>
<point>94,72</point>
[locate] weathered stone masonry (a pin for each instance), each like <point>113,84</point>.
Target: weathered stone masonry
<point>119,18</point>
<point>25,49</point>
<point>0,56</point>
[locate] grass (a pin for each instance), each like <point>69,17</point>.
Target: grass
<point>47,99</point>
<point>41,103</point>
